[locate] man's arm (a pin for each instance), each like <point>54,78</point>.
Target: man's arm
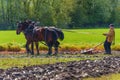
<point>105,34</point>
<point>108,34</point>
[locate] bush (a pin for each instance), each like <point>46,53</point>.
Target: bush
<point>66,47</point>
<point>116,47</point>
<point>14,48</point>
<point>43,47</point>
<point>3,48</point>
<point>10,47</point>
<point>70,48</point>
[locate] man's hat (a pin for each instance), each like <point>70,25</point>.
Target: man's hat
<point>111,25</point>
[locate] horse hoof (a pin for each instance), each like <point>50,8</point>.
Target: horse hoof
<point>38,53</point>
<point>32,54</point>
<point>55,54</point>
<point>49,54</point>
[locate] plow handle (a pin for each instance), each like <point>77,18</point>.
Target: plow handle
<point>98,45</point>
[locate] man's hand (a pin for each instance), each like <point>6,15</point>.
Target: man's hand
<point>105,34</point>
<point>113,43</point>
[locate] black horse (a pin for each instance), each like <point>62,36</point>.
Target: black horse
<point>35,34</point>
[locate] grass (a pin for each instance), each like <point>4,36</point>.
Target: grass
<point>8,61</point>
<point>75,39</point>
<point>87,36</point>
<point>10,47</point>
<point>106,77</point>
<point>74,36</point>
<point>10,36</point>
<point>20,60</point>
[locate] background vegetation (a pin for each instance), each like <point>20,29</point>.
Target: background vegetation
<point>61,13</point>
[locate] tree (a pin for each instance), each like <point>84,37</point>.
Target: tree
<point>60,13</point>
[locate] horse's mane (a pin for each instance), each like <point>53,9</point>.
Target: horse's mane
<point>25,24</point>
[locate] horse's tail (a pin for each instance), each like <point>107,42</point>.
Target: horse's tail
<point>61,35</point>
<point>54,35</point>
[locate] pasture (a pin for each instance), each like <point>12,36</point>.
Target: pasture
<point>75,39</point>
<point>72,37</point>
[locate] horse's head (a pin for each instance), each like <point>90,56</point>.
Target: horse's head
<point>21,26</point>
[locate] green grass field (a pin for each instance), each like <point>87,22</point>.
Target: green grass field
<point>108,77</point>
<point>75,39</point>
<point>74,36</point>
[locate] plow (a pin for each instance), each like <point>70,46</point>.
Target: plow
<point>91,50</point>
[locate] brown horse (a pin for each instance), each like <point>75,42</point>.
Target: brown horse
<point>48,35</point>
<point>59,33</point>
<point>24,27</point>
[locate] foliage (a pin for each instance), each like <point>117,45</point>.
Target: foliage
<point>10,47</point>
<point>116,47</point>
<point>48,12</point>
<point>2,48</point>
<point>60,13</point>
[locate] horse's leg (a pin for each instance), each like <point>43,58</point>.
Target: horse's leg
<point>32,48</point>
<point>27,47</point>
<point>49,48</point>
<point>37,47</point>
<point>56,47</point>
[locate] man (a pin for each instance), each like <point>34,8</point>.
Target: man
<point>110,39</point>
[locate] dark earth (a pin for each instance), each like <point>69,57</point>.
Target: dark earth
<point>75,70</point>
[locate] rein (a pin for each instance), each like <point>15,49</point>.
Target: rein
<point>45,37</point>
<point>29,29</point>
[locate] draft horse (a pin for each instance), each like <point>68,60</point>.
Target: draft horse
<point>49,36</point>
<point>28,33</point>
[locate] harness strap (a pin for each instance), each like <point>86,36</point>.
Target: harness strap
<point>46,31</point>
<point>30,29</point>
